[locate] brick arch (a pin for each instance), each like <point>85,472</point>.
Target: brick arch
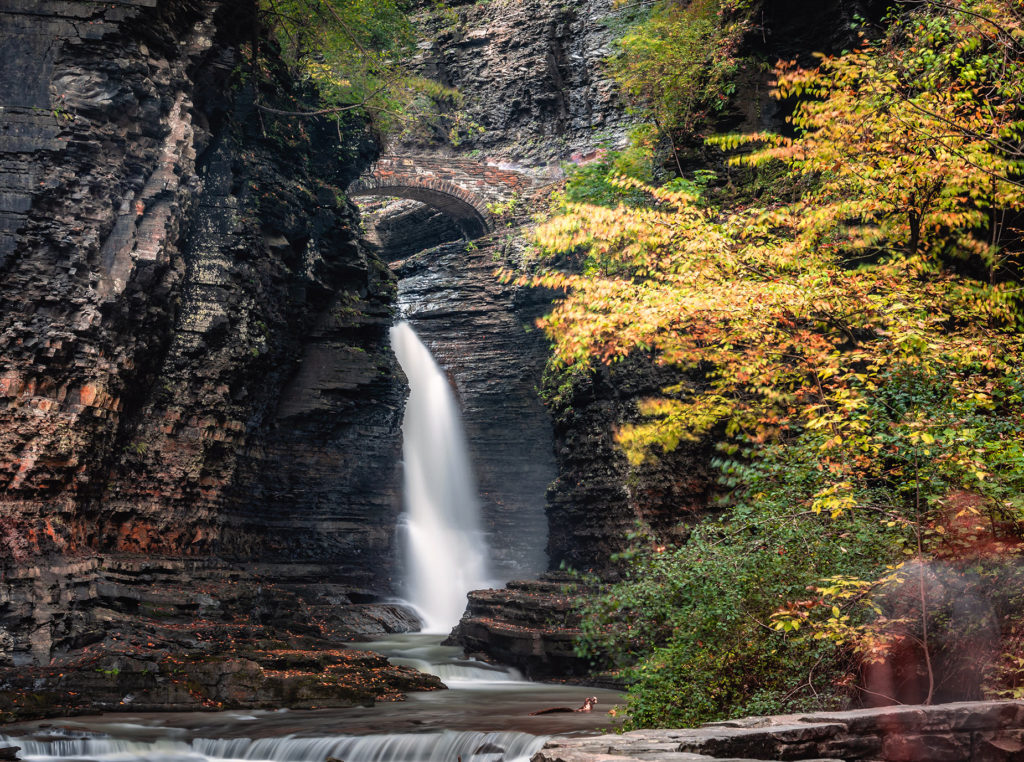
<point>468,210</point>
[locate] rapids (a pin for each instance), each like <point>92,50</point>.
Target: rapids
<point>483,717</point>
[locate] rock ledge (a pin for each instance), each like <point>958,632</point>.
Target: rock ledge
<point>970,731</point>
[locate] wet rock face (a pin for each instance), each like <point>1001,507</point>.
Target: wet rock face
<point>530,625</point>
<point>183,280</point>
<point>599,498</point>
<point>319,484</point>
<point>594,504</point>
<point>98,149</point>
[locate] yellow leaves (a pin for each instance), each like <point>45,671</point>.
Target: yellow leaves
<point>918,156</point>
<point>672,421</point>
<point>768,298</point>
<point>787,621</point>
<point>836,499</point>
<point>323,74</point>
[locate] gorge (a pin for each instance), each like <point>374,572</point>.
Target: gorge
<point>233,317</point>
<point>202,412</point>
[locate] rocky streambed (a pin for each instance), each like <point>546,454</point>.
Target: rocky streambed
<point>484,715</point>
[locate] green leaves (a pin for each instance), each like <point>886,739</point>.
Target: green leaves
<point>871,391</point>
<point>677,66</point>
<point>691,627</point>
<point>352,52</point>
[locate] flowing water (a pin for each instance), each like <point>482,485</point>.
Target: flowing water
<point>483,717</point>
<point>444,746</point>
<point>447,552</point>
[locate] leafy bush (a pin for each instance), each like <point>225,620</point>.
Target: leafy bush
<point>866,384</point>
<point>594,182</point>
<point>678,65</point>
<point>694,627</point>
<point>690,626</point>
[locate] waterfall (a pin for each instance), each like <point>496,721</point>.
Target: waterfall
<point>446,551</point>
<point>442,746</point>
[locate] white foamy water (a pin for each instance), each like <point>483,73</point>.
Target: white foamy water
<point>424,653</point>
<point>446,547</point>
<point>443,746</point>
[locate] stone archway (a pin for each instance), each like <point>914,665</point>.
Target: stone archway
<point>460,188</point>
<point>473,220</point>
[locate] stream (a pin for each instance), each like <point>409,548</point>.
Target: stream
<point>484,716</point>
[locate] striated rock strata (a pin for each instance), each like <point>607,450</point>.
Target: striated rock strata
<point>530,73</point>
<point>116,633</point>
<point>596,503</point>
<point>479,331</point>
<point>194,371</point>
<point>531,625</point>
<point>599,498</point>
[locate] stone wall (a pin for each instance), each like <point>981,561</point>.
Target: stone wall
<point>599,499</point>
<point>103,150</point>
<point>460,188</point>
<point>178,286</point>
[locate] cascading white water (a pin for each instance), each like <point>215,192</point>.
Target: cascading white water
<point>446,556</point>
<point>442,746</point>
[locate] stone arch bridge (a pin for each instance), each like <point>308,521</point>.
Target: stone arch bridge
<point>461,188</point>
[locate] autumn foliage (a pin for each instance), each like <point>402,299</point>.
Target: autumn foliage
<point>861,345</point>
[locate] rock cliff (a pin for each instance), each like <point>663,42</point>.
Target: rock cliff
<point>195,374</point>
<point>530,75</point>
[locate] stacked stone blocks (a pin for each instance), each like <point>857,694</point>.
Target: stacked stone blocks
<point>461,188</point>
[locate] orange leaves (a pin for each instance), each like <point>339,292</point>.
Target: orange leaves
<point>793,307</point>
<point>785,325</point>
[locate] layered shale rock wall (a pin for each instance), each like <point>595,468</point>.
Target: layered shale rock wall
<point>99,154</point>
<point>533,94</point>
<point>193,352</point>
<point>531,77</point>
<point>478,329</point>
